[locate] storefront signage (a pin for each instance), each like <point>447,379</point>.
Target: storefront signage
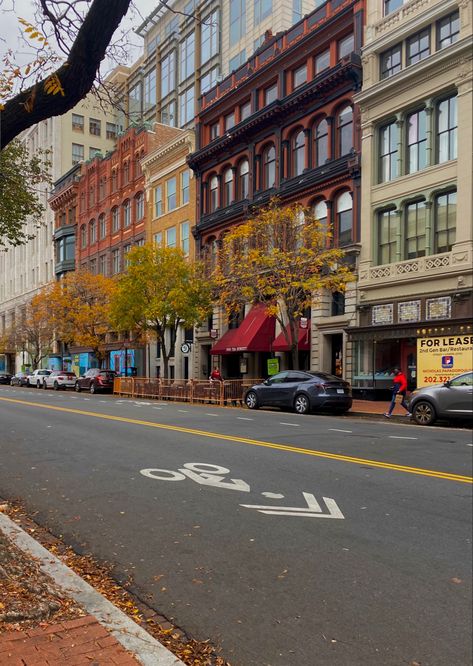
<point>438,308</point>
<point>408,311</point>
<point>273,366</point>
<point>382,314</point>
<point>303,323</point>
<point>440,359</point>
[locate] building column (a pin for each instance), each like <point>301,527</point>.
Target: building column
<point>234,183</point>
<point>429,228</point>
<point>256,180</point>
<point>308,152</point>
<point>429,133</point>
<point>400,144</point>
<point>331,137</point>
<point>399,234</point>
<point>284,161</point>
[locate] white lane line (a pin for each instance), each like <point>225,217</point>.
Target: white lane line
<point>339,430</point>
<point>157,407</point>
<point>399,437</point>
<point>104,401</point>
<point>296,425</point>
<point>211,414</point>
<point>183,411</point>
<point>244,418</point>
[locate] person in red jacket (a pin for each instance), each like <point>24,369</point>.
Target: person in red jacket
<point>399,388</point>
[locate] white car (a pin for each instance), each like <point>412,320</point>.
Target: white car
<point>59,379</point>
<point>37,378</point>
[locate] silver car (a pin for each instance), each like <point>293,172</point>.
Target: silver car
<point>453,399</point>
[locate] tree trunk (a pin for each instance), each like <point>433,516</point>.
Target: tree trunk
<point>76,76</point>
<point>294,344</point>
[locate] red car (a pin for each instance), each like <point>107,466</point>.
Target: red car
<point>96,380</point>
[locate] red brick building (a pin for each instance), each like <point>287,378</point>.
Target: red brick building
<point>284,124</point>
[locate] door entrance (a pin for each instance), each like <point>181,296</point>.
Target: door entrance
<point>337,355</point>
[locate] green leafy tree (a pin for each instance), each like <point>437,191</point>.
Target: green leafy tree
<point>282,257</point>
<point>20,177</point>
<point>160,291</point>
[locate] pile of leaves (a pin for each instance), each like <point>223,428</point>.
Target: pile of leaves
<point>27,595</point>
<point>100,576</point>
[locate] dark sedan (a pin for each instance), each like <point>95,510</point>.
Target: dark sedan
<point>96,380</point>
<point>302,391</point>
<point>5,377</point>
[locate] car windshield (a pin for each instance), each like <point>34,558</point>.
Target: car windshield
<point>108,375</point>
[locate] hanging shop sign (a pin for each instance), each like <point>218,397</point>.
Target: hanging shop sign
<point>440,359</point>
<point>273,366</point>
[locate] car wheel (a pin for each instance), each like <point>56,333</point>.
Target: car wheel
<point>251,400</point>
<point>38,385</point>
<point>301,404</point>
<point>44,384</point>
<point>92,388</point>
<point>424,413</point>
<point>77,387</point>
<point>56,386</point>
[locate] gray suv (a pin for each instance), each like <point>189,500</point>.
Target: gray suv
<point>453,399</point>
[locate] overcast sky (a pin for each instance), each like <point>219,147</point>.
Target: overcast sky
<point>10,28</point>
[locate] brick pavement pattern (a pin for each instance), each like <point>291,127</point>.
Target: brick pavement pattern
<point>72,643</point>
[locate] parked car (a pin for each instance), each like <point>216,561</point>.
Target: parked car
<point>36,378</point>
<point>451,400</point>
<point>96,380</point>
<point>60,380</point>
<point>301,391</point>
<point>5,377</point>
<point>20,379</point>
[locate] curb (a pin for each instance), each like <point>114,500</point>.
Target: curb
<point>145,648</point>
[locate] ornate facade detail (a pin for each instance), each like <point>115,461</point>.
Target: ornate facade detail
<point>409,267</point>
<point>437,262</point>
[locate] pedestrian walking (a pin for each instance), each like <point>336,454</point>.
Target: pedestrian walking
<point>399,388</point>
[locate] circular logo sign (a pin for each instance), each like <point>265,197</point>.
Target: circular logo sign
<point>185,348</point>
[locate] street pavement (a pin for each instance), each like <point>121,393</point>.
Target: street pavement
<point>288,540</point>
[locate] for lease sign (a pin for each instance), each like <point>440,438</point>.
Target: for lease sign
<point>440,359</point>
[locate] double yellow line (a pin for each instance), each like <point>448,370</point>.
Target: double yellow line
<point>255,442</point>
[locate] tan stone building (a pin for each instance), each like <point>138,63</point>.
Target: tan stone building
<point>170,219</point>
<point>415,276</point>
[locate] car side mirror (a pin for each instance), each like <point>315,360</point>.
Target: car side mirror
<point>447,383</point>
<point>266,382</point>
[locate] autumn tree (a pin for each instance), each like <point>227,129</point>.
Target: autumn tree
<point>80,308</point>
<point>160,291</point>
<point>34,331</point>
<point>281,257</point>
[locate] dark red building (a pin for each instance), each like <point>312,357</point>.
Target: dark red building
<point>284,124</point>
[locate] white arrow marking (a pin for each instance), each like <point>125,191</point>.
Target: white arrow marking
<point>313,509</point>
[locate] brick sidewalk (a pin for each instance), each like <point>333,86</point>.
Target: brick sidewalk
<point>75,643</point>
<point>375,407</point>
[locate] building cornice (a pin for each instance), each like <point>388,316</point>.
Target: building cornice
<point>187,138</point>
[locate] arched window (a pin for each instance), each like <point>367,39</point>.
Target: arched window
<point>83,236</point>
<point>139,206</point>
<point>243,179</point>
<point>321,213</point>
<point>102,226</point>
<point>92,232</point>
<point>213,194</point>
<point>269,167</point>
<point>126,214</point>
<point>298,153</point>
<point>321,143</point>
<point>345,131</point>
<point>228,186</point>
<point>126,172</point>
<point>344,218</point>
<point>115,220</point>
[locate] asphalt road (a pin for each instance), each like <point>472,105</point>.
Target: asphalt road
<point>364,559</point>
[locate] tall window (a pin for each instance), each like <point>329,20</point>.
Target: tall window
<point>102,226</point>
<point>126,172</point>
<point>168,114</point>
<point>126,214</point>
<point>77,153</point>
<point>158,238</point>
<point>187,56</point>
<point>418,46</point>
<point>346,46</point>
<point>134,102</point>
<point>126,250</point>
<point>139,206</point>
<point>388,221</point>
<point>93,266</point>
<point>237,20</point>
<point>388,140</point>
<point>92,232</point>
<point>186,106</point>
<point>321,143</point>
<point>111,131</point>
<point>150,89</point>
<point>208,80</point>
<point>171,202</point>
<point>168,73</point>
<point>209,40</point>
<point>345,130</point>
<point>344,218</point>
<point>185,187</point>
<point>448,30</point>
<point>171,237</point>
<point>416,141</point>
<point>415,230</point>
<point>213,193</point>
<point>94,126</point>
<point>244,180</point>
<point>115,220</point>
<point>445,216</point>
<point>114,180</point>
<point>115,261</point>
<point>262,9</point>
<point>229,120</point>
<point>321,213</point>
<point>269,167</point>
<point>158,201</point>
<point>245,110</point>
<point>299,76</point>
<point>296,10</point>
<point>77,122</point>
<point>185,238</point>
<point>391,61</point>
<point>228,187</point>
<point>322,61</point>
<point>298,153</point>
<point>103,264</point>
<point>271,94</point>
<point>83,236</point>
<point>447,129</point>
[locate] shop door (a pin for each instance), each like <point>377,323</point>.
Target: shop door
<point>409,361</point>
<point>337,355</point>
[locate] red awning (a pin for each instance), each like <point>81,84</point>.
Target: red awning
<point>255,334</point>
<point>303,340</point>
